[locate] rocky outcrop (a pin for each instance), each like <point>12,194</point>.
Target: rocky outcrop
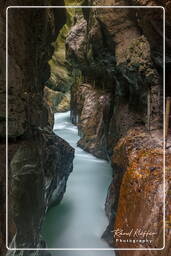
<point>28,111</point>
<point>56,100</point>
<point>59,84</point>
<point>39,161</point>
<point>139,155</point>
<point>39,172</point>
<point>116,61</point>
<point>92,110</point>
<point>76,44</point>
<point>120,52</point>
<point>120,64</point>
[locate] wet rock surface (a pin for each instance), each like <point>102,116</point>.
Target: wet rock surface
<point>92,115</point>
<point>123,57</point>
<point>116,56</point>
<point>113,53</point>
<point>38,179</point>
<point>141,195</point>
<point>28,66</point>
<point>38,169</point>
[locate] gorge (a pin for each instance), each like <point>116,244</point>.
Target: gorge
<point>98,70</point>
<point>80,217</point>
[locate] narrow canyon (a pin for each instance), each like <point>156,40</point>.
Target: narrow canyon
<point>85,164</point>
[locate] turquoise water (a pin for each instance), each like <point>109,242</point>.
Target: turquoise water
<point>79,220</point>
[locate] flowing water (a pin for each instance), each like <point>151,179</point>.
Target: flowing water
<point>79,220</point>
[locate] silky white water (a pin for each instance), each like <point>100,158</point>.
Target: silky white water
<point>79,220</point>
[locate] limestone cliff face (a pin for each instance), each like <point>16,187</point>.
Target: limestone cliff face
<point>39,161</point>
<point>120,52</point>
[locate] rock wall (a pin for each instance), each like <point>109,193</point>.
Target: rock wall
<point>141,196</point>
<point>56,100</point>
<point>38,169</point>
<point>116,59</point>
<point>114,55</point>
<point>119,52</point>
<point>93,107</point>
<point>59,84</point>
<point>61,78</point>
<point>39,172</point>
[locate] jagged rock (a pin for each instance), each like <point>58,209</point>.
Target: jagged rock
<point>56,100</point>
<point>39,172</point>
<point>37,157</point>
<point>139,156</point>
<point>124,56</point>
<point>29,54</point>
<point>61,78</point>
<point>75,43</point>
<point>59,84</point>
<point>92,112</point>
<point>119,53</point>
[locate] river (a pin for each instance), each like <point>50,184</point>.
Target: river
<point>79,220</point>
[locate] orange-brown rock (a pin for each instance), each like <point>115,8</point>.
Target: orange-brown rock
<point>141,198</point>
